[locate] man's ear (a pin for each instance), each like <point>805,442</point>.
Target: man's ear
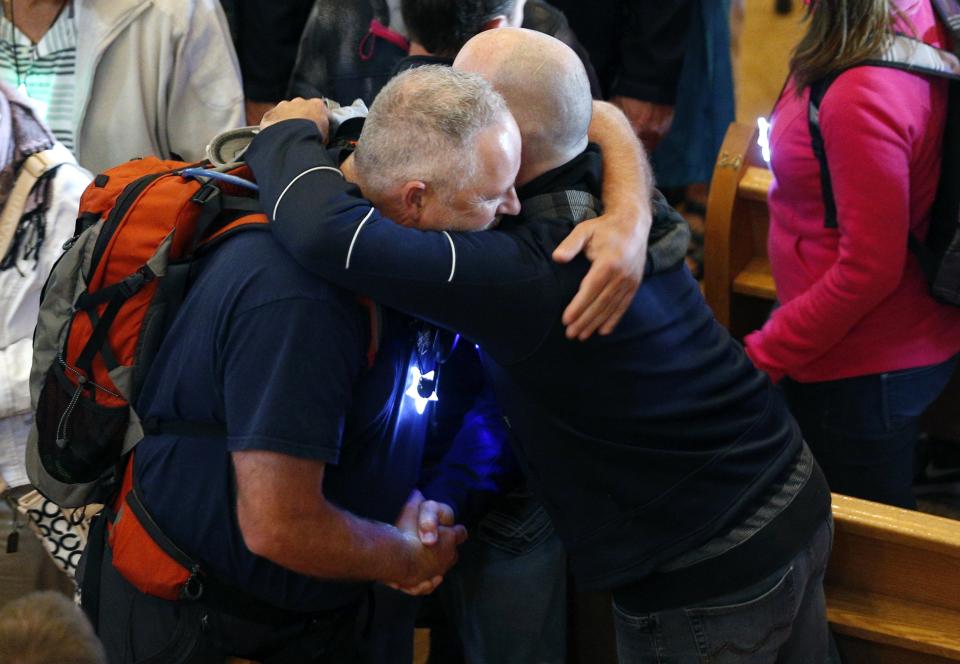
<point>413,197</point>
<point>498,21</point>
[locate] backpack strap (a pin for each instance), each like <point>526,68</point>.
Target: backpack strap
<point>949,13</point>
<point>34,167</point>
<point>817,91</point>
<point>906,54</point>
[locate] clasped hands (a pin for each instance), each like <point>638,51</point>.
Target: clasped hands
<point>433,536</point>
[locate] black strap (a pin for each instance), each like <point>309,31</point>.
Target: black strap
<point>119,294</point>
<point>126,288</point>
<point>210,198</point>
<point>91,564</point>
<point>241,204</point>
<point>949,12</point>
<point>817,91</point>
<point>156,534</point>
<point>105,351</point>
<point>99,336</point>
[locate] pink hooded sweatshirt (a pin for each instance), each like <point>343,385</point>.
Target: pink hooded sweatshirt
<point>854,300</point>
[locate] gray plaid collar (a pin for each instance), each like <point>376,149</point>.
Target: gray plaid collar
<point>572,205</point>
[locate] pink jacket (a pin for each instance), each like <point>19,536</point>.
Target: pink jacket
<point>853,300</point>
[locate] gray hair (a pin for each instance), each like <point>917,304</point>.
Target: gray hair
<point>422,126</point>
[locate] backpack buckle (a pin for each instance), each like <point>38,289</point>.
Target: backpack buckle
<point>205,194</point>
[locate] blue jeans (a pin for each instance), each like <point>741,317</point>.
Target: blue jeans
<point>507,593</point>
<point>505,597</point>
<point>863,430</point>
<point>780,620</point>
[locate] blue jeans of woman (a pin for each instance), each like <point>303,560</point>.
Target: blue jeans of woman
<point>863,430</point>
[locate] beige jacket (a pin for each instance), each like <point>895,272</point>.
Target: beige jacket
<point>154,77</point>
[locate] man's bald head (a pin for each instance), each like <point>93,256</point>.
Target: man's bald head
<point>546,88</point>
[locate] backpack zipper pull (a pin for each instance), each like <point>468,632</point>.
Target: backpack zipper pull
<point>64,422</point>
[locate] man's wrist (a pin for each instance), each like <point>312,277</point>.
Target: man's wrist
<point>409,569</point>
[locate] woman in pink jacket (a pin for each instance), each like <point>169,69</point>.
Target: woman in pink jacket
<point>862,344</point>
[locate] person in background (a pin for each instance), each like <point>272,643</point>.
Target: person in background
<point>38,217</point>
<point>46,627</point>
<point>637,48</point>
<point>117,79</point>
<point>350,48</point>
<point>668,66</point>
<point>266,34</point>
<point>858,343</point>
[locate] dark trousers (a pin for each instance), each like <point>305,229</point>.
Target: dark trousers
<point>138,628</point>
<point>780,620</point>
<point>863,430</point>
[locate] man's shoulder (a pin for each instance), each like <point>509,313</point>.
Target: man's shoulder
<point>252,264</point>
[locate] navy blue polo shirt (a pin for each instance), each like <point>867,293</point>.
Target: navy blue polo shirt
<point>278,355</point>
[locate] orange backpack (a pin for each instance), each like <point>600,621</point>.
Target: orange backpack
<point>105,308</point>
<point>103,313</point>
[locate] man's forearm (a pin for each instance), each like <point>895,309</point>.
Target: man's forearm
<point>284,517</point>
<point>335,544</point>
<point>627,176</point>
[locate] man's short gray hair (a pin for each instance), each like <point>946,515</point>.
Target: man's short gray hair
<point>422,126</point>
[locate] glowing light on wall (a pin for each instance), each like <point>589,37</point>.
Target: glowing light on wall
<point>763,140</point>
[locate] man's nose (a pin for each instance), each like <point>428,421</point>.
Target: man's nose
<point>511,204</point>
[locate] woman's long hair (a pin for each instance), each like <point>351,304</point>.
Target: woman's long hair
<point>841,33</point>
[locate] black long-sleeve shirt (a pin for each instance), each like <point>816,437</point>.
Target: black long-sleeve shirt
<point>636,46</point>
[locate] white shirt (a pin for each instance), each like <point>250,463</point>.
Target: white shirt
<point>45,71</point>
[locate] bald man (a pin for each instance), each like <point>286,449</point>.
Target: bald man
<point>669,465</point>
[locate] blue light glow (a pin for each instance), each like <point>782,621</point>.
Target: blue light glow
<point>419,401</point>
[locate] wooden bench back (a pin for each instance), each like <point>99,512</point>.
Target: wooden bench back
<point>737,281</point>
<point>893,584</point>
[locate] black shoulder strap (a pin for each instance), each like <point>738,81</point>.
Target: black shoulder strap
<point>817,91</point>
<point>905,53</point>
<point>949,13</point>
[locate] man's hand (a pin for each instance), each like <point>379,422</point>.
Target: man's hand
<point>617,248</point>
<point>423,518</point>
<point>306,109</point>
<point>650,121</point>
<point>430,528</point>
<point>255,110</point>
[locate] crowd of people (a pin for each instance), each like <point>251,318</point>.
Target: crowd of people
<point>470,361</point>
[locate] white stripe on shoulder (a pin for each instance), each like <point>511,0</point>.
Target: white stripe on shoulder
<point>453,256</point>
<point>354,240</point>
<point>290,184</point>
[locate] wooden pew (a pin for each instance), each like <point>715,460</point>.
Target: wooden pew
<point>737,281</point>
<point>893,585</point>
